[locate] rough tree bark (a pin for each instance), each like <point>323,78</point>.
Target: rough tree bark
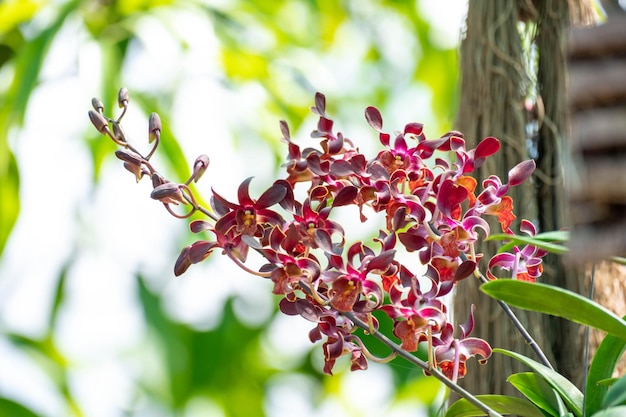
<point>514,50</point>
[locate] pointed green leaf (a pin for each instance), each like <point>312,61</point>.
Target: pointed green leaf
<point>537,390</point>
<point>568,391</point>
<point>617,394</point>
<point>501,403</point>
<point>556,302</point>
<point>608,354</point>
<point>537,241</point>
<point>612,412</point>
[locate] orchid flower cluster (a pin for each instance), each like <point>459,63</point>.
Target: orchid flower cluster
<point>432,208</point>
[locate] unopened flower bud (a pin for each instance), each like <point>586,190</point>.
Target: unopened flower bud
<point>201,164</point>
<point>97,104</point>
<point>129,156</point>
<point>118,132</point>
<point>137,170</point>
<point>157,180</point>
<point>99,121</point>
<point>154,127</point>
<point>168,193</point>
<point>123,97</point>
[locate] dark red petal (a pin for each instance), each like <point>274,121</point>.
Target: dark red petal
<point>468,326</point>
<point>449,196</point>
<point>200,250</point>
<point>323,241</point>
<point>320,104</point>
<point>284,129</point>
<point>464,270</point>
<point>412,242</point>
<point>273,195</point>
<point>198,226</point>
<point>345,196</point>
<point>289,308</point>
<point>413,128</point>
<point>382,261</point>
<point>488,146</point>
<point>242,193</point>
<point>221,205</point>
<point>307,310</point>
<point>325,126</point>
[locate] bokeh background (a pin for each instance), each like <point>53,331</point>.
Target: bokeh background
<point>92,320</point>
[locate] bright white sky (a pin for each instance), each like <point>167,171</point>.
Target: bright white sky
<point>101,328</point>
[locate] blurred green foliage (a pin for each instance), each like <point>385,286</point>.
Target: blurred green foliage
<point>277,45</point>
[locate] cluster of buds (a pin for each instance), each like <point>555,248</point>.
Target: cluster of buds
<point>432,207</point>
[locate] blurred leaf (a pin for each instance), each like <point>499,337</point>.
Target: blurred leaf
<point>221,363</point>
<point>619,260</point>
<point>9,199</point>
<point>59,293</point>
<point>612,412</point>
<point>13,108</point>
<point>13,13</point>
<point>556,302</point>
<point>501,403</point>
<point>9,408</point>
<point>606,357</point>
<point>244,65</point>
<point>537,241</point>
<point>568,391</point>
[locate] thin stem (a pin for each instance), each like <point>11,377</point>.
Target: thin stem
<point>418,362</point>
<point>397,349</point>
<point>518,325</point>
<point>587,331</point>
<point>245,268</point>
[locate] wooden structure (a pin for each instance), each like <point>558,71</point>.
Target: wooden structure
<point>597,102</point>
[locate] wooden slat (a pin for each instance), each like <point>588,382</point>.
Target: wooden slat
<point>595,130</point>
<point>607,39</point>
<point>601,82</point>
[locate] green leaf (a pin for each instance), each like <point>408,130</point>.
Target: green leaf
<point>612,412</point>
<point>556,302</point>
<point>538,241</point>
<point>617,394</point>
<point>606,357</point>
<point>10,408</point>
<point>9,196</point>
<point>568,391</point>
<point>537,390</point>
<point>501,403</point>
<point>619,260</point>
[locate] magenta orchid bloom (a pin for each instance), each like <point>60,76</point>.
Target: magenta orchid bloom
<point>249,216</point>
<point>525,264</point>
<point>451,354</point>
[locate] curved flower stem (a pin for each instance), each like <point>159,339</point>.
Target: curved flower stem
<point>518,324</point>
<point>245,268</point>
<point>418,362</point>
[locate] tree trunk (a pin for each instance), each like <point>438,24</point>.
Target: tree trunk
<point>500,70</point>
